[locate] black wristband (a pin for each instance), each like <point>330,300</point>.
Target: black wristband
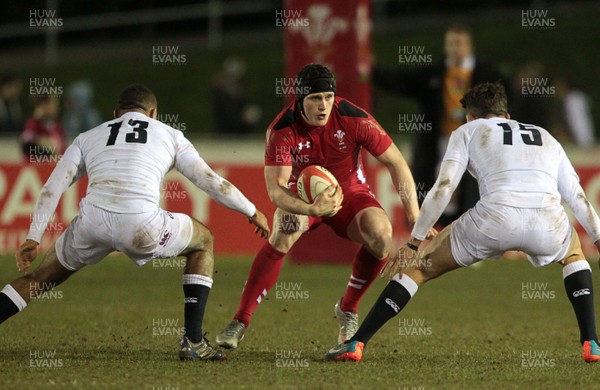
<point>412,246</point>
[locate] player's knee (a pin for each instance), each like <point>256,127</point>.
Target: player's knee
<point>208,239</point>
<point>425,273</point>
<point>203,237</point>
<point>380,242</point>
<point>284,240</point>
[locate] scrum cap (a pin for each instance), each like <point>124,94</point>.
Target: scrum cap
<point>313,78</point>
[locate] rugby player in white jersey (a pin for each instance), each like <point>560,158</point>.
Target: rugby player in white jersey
<point>523,174</point>
<point>126,159</point>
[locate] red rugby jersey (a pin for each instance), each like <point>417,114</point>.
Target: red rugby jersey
<point>336,146</point>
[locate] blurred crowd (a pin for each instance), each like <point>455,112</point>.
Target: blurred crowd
<point>53,120</point>
<point>557,105</point>
<point>44,124</point>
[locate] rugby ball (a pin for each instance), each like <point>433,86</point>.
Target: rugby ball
<point>313,180</point>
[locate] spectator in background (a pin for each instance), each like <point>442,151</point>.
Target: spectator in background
<point>11,119</point>
<point>438,89</point>
<point>43,134</point>
<point>576,119</point>
<point>526,102</point>
<point>80,113</point>
<point>231,112</point>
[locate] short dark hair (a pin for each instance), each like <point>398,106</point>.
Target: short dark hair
<point>136,96</point>
<point>485,99</point>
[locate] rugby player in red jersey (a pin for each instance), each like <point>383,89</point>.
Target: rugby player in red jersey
<point>320,128</point>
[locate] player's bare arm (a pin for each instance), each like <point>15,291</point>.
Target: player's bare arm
<point>64,174</point>
<point>436,201</point>
<point>192,166</point>
<point>328,203</point>
<point>403,183</point>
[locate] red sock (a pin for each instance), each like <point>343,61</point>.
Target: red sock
<point>263,275</point>
<point>365,269</point>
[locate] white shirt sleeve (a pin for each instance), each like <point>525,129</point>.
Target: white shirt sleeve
<point>192,166</point>
<point>458,147</point>
<point>67,171</point>
<point>454,165</point>
<point>571,191</point>
<point>438,197</point>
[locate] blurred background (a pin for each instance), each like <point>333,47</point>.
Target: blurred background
<point>110,44</point>
<point>220,68</point>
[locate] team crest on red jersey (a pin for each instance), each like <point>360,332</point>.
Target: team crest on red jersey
<point>340,137</point>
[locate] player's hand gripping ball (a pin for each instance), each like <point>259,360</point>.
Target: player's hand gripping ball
<point>313,180</point>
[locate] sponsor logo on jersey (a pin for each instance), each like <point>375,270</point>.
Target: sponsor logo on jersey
<point>583,291</point>
<point>304,145</point>
<point>393,305</point>
<point>165,238</point>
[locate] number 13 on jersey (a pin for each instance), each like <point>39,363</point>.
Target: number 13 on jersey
<point>139,135</point>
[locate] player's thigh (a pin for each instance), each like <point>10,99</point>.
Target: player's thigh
<point>287,229</point>
<point>371,227</point>
<point>86,241</point>
<point>574,251</point>
<point>549,237</point>
<point>435,260</point>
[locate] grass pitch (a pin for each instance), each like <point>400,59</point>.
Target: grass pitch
<point>503,325</point>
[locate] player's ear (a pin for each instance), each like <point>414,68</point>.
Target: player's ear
<point>470,117</point>
<point>152,113</point>
<point>507,115</point>
<point>114,114</point>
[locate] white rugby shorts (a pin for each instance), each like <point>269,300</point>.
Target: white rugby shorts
<point>486,231</point>
<point>96,232</point>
